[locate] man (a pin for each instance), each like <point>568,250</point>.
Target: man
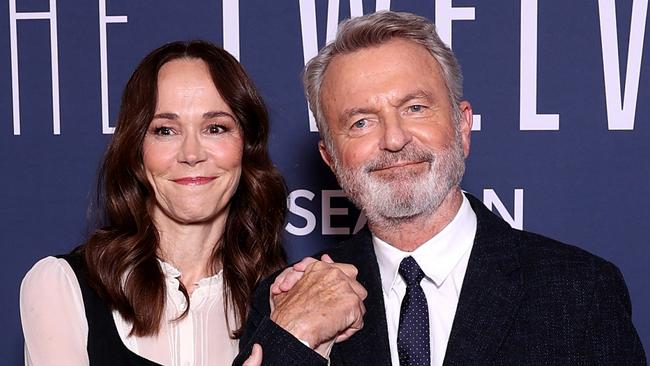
<point>447,281</point>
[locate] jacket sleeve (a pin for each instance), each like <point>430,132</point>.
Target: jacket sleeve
<point>279,347</point>
<point>610,335</point>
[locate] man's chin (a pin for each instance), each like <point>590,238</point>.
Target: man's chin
<point>386,219</point>
<point>399,210</point>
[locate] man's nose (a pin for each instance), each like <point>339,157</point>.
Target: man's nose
<point>396,135</point>
<point>192,151</point>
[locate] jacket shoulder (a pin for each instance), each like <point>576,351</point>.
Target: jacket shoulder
<point>549,259</point>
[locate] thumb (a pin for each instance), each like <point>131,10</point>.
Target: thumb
<point>255,359</point>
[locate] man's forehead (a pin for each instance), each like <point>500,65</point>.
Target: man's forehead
<point>393,69</point>
<point>397,52</point>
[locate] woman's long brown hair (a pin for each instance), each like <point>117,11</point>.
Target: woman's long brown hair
<point>121,256</point>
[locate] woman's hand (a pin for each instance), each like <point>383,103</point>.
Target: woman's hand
<point>288,278</point>
<point>255,359</point>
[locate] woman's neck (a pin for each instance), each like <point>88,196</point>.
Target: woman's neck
<point>189,247</point>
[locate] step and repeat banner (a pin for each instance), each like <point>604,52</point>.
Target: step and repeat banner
<point>561,140</point>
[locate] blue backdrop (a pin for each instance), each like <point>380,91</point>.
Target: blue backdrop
<point>560,88</point>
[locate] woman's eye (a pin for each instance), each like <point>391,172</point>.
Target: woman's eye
<point>216,129</point>
<point>360,123</point>
<point>162,131</point>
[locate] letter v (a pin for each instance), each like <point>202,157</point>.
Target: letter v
<point>621,111</point>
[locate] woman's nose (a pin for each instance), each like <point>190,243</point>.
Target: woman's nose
<point>192,151</point>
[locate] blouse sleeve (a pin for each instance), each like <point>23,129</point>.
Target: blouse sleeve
<point>53,316</point>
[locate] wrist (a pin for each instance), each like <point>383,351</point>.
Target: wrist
<point>296,329</point>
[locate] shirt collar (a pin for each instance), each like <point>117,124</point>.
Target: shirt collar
<point>173,274</point>
<point>437,257</point>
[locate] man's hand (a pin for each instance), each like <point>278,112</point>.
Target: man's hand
<point>324,302</point>
<point>291,275</point>
<point>288,278</point>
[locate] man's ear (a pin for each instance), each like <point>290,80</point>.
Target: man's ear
<point>324,154</point>
<point>466,121</point>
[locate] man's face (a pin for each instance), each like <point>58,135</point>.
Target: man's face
<point>398,145</point>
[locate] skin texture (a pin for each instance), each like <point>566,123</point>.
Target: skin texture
<point>381,100</point>
<point>192,157</point>
<point>326,303</point>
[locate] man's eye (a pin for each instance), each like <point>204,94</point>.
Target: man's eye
<point>162,131</point>
<point>216,129</point>
<point>360,123</point>
<point>416,108</point>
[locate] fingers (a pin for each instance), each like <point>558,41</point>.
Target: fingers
<point>326,263</point>
<point>326,258</point>
<point>289,276</point>
<point>359,290</point>
<point>349,269</point>
<point>356,324</point>
<point>345,335</point>
<point>275,287</point>
<point>255,359</point>
<point>302,265</point>
<point>290,280</point>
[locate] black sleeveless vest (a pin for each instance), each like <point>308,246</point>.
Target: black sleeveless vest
<point>104,344</point>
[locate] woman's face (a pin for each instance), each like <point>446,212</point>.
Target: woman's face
<point>193,147</point>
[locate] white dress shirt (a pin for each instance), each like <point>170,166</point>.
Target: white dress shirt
<point>443,260</point>
<point>56,330</point>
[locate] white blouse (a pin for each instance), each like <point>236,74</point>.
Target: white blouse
<point>56,330</point>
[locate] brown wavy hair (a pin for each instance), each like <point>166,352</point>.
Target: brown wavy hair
<point>121,256</point>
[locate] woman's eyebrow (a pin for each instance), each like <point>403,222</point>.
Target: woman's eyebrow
<point>214,114</point>
<point>167,115</point>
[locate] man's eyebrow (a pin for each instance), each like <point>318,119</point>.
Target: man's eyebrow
<point>346,114</point>
<point>418,94</point>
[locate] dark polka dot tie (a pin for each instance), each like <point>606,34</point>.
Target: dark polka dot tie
<point>413,334</point>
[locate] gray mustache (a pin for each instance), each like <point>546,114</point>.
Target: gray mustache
<point>387,159</point>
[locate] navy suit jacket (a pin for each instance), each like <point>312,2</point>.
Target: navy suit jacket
<point>525,300</point>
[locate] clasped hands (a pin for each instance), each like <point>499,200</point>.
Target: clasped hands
<point>319,302</point>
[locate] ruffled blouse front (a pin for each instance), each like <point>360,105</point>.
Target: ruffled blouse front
<point>56,330</point>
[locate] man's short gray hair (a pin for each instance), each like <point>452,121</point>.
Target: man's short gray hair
<point>373,30</point>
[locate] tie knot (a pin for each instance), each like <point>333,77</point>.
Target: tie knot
<point>410,271</point>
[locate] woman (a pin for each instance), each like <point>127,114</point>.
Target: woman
<point>194,211</point>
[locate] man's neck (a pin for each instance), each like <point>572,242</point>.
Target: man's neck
<point>410,234</point>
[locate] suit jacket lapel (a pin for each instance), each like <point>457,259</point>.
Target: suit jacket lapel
<point>488,301</point>
<point>370,345</point>
<point>490,293</point>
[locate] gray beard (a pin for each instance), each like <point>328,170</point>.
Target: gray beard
<point>402,196</point>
